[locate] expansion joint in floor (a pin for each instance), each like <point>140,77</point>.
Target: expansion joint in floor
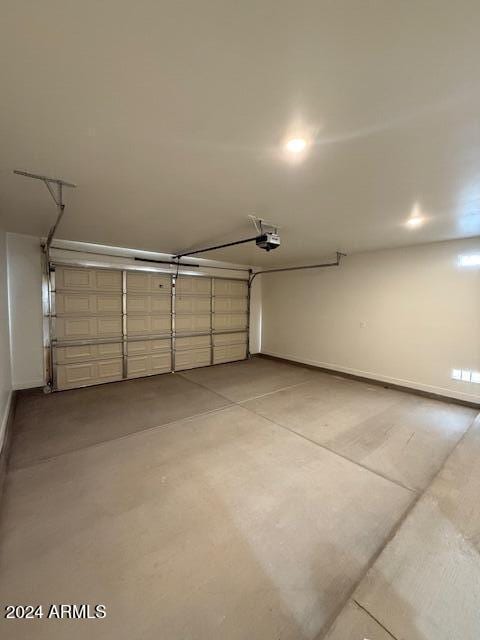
<point>376,620</point>
<point>335,453</point>
<point>125,436</point>
<point>390,537</point>
<point>241,403</point>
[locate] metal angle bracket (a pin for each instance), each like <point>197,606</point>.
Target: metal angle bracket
<point>55,188</point>
<point>339,256</point>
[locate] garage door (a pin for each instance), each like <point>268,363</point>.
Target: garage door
<point>87,326</point>
<point>229,320</point>
<point>148,321</point>
<point>110,324</point>
<point>193,322</point>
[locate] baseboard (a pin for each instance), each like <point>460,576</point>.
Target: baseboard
<point>428,391</point>
<point>29,384</point>
<point>6,437</point>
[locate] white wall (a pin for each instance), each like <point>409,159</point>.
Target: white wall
<point>5,371</point>
<point>25,281</point>
<point>407,316</point>
<point>25,294</point>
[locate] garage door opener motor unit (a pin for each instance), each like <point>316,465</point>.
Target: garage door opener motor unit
<point>267,238</point>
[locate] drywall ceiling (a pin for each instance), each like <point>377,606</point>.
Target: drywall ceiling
<point>171,118</point>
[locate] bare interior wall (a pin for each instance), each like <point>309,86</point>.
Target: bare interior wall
<point>5,372</point>
<point>406,316</point>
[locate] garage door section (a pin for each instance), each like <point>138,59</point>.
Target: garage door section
<point>111,324</point>
<point>229,320</point>
<point>193,322</point>
<point>148,323</point>
<point>86,326</point>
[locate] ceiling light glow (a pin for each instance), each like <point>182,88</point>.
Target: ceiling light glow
<point>416,218</point>
<point>415,221</point>
<point>296,145</point>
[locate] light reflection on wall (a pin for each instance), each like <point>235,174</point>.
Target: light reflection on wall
<point>469,260</point>
<point>468,210</point>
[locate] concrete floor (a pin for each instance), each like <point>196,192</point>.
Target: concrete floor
<point>254,500</point>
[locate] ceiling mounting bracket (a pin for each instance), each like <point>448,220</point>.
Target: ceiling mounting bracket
<point>55,188</point>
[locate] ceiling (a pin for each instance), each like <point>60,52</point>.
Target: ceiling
<point>171,118</point>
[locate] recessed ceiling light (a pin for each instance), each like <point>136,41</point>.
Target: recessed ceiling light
<point>296,145</point>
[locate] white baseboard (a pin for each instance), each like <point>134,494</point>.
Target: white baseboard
<point>28,384</point>
<point>411,384</point>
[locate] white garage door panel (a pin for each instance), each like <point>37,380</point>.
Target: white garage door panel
<point>81,353</point>
<point>192,284</point>
<point>192,342</point>
<point>228,353</point>
<point>88,303</point>
<point>145,325</point>
<point>192,359</point>
<point>80,278</point>
<point>70,376</point>
<point>144,347</point>
<point>192,324</point>
<point>192,304</point>
<point>230,288</point>
<point>148,282</point>
<point>146,304</point>
<point>229,338</point>
<point>230,305</point>
<point>229,321</point>
<point>70,328</point>
<point>147,365</point>
<point>89,306</point>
